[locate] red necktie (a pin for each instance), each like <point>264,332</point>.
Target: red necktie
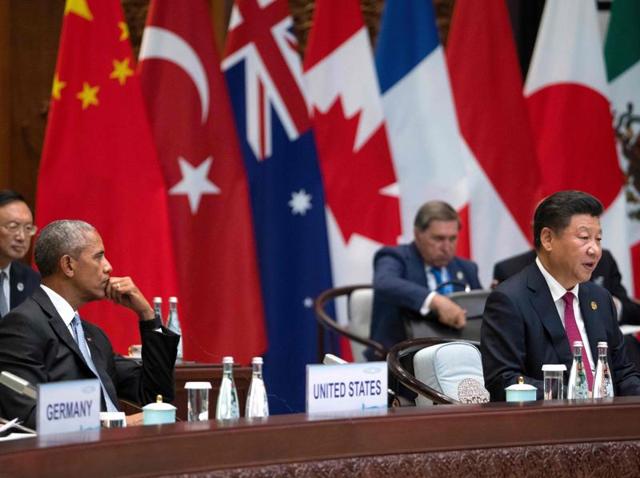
<point>573,334</point>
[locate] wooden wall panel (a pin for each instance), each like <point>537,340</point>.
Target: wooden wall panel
<point>33,44</point>
<point>5,110</point>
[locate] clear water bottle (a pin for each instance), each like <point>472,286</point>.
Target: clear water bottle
<point>603,384</point>
<point>257,403</point>
<point>173,323</point>
<point>228,407</point>
<point>157,307</point>
<point>578,388</point>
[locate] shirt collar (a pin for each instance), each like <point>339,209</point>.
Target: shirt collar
<point>556,289</point>
<point>63,307</point>
<point>6,270</point>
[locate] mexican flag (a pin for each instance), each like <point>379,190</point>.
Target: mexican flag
<point>622,56</point>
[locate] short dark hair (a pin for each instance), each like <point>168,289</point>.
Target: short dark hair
<point>556,211</point>
<point>57,239</point>
<point>9,195</point>
<point>434,211</point>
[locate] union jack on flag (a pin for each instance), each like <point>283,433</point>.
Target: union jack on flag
<point>261,35</point>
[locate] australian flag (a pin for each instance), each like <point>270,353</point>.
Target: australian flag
<point>264,73</point>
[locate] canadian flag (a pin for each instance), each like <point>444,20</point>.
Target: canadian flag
<point>355,158</point>
<point>566,93</point>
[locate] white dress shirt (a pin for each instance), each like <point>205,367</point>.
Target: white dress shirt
<point>557,293</point>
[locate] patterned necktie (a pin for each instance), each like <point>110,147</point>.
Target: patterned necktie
<point>437,273</point>
<point>573,334</point>
<point>4,303</point>
<point>84,349</point>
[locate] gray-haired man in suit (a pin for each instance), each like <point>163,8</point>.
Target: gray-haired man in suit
<point>17,280</point>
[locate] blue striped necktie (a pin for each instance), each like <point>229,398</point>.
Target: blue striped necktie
<point>84,349</point>
<point>437,273</point>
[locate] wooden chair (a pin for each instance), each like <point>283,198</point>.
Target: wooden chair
<point>359,300</point>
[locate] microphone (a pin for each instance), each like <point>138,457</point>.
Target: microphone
<point>18,384</point>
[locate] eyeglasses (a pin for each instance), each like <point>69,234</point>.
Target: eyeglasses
<point>15,227</point>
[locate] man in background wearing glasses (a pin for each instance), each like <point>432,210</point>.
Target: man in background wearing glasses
<point>17,280</point>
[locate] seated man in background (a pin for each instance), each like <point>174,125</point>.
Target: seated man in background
<point>533,318</point>
<point>44,340</point>
<point>407,278</point>
<point>17,280</point>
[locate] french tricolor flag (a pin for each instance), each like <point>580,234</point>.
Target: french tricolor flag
<point>430,158</point>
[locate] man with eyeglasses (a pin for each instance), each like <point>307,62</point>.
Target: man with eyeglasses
<point>17,280</point>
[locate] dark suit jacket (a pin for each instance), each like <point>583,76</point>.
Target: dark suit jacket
<point>36,345</point>
<point>605,274</point>
<point>400,284</point>
<point>23,280</point>
<point>521,331</point>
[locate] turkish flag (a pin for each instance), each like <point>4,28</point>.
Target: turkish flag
<point>192,122</point>
<point>351,137</point>
<point>99,163</point>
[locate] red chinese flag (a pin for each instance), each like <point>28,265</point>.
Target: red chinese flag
<point>192,122</point>
<point>99,163</point>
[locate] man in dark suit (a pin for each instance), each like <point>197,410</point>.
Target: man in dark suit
<point>17,280</point>
<point>44,340</point>
<point>605,274</point>
<point>532,318</point>
<point>411,279</point>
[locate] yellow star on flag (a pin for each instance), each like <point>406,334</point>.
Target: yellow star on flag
<point>124,31</point>
<point>121,71</point>
<point>88,95</point>
<point>57,87</point>
<point>79,7</point>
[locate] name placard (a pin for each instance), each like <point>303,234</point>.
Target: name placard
<point>69,406</point>
<point>349,387</point>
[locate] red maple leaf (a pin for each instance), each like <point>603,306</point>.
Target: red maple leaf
<point>353,179</point>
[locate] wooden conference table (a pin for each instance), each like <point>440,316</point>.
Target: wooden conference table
<point>534,439</point>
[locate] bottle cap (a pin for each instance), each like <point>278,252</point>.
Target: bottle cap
<point>554,367</point>
<point>257,360</point>
<point>157,300</point>
<point>227,359</point>
<point>602,344</point>
<point>197,385</point>
<point>173,300</point>
<point>577,343</point>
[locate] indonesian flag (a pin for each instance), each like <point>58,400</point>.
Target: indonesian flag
<point>487,87</point>
<point>622,56</point>
<point>355,158</point>
<point>566,94</point>
<point>192,122</point>
<point>99,163</point>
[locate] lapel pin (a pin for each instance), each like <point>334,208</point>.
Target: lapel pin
<point>20,286</point>
<point>594,305</point>
<point>459,275</point>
